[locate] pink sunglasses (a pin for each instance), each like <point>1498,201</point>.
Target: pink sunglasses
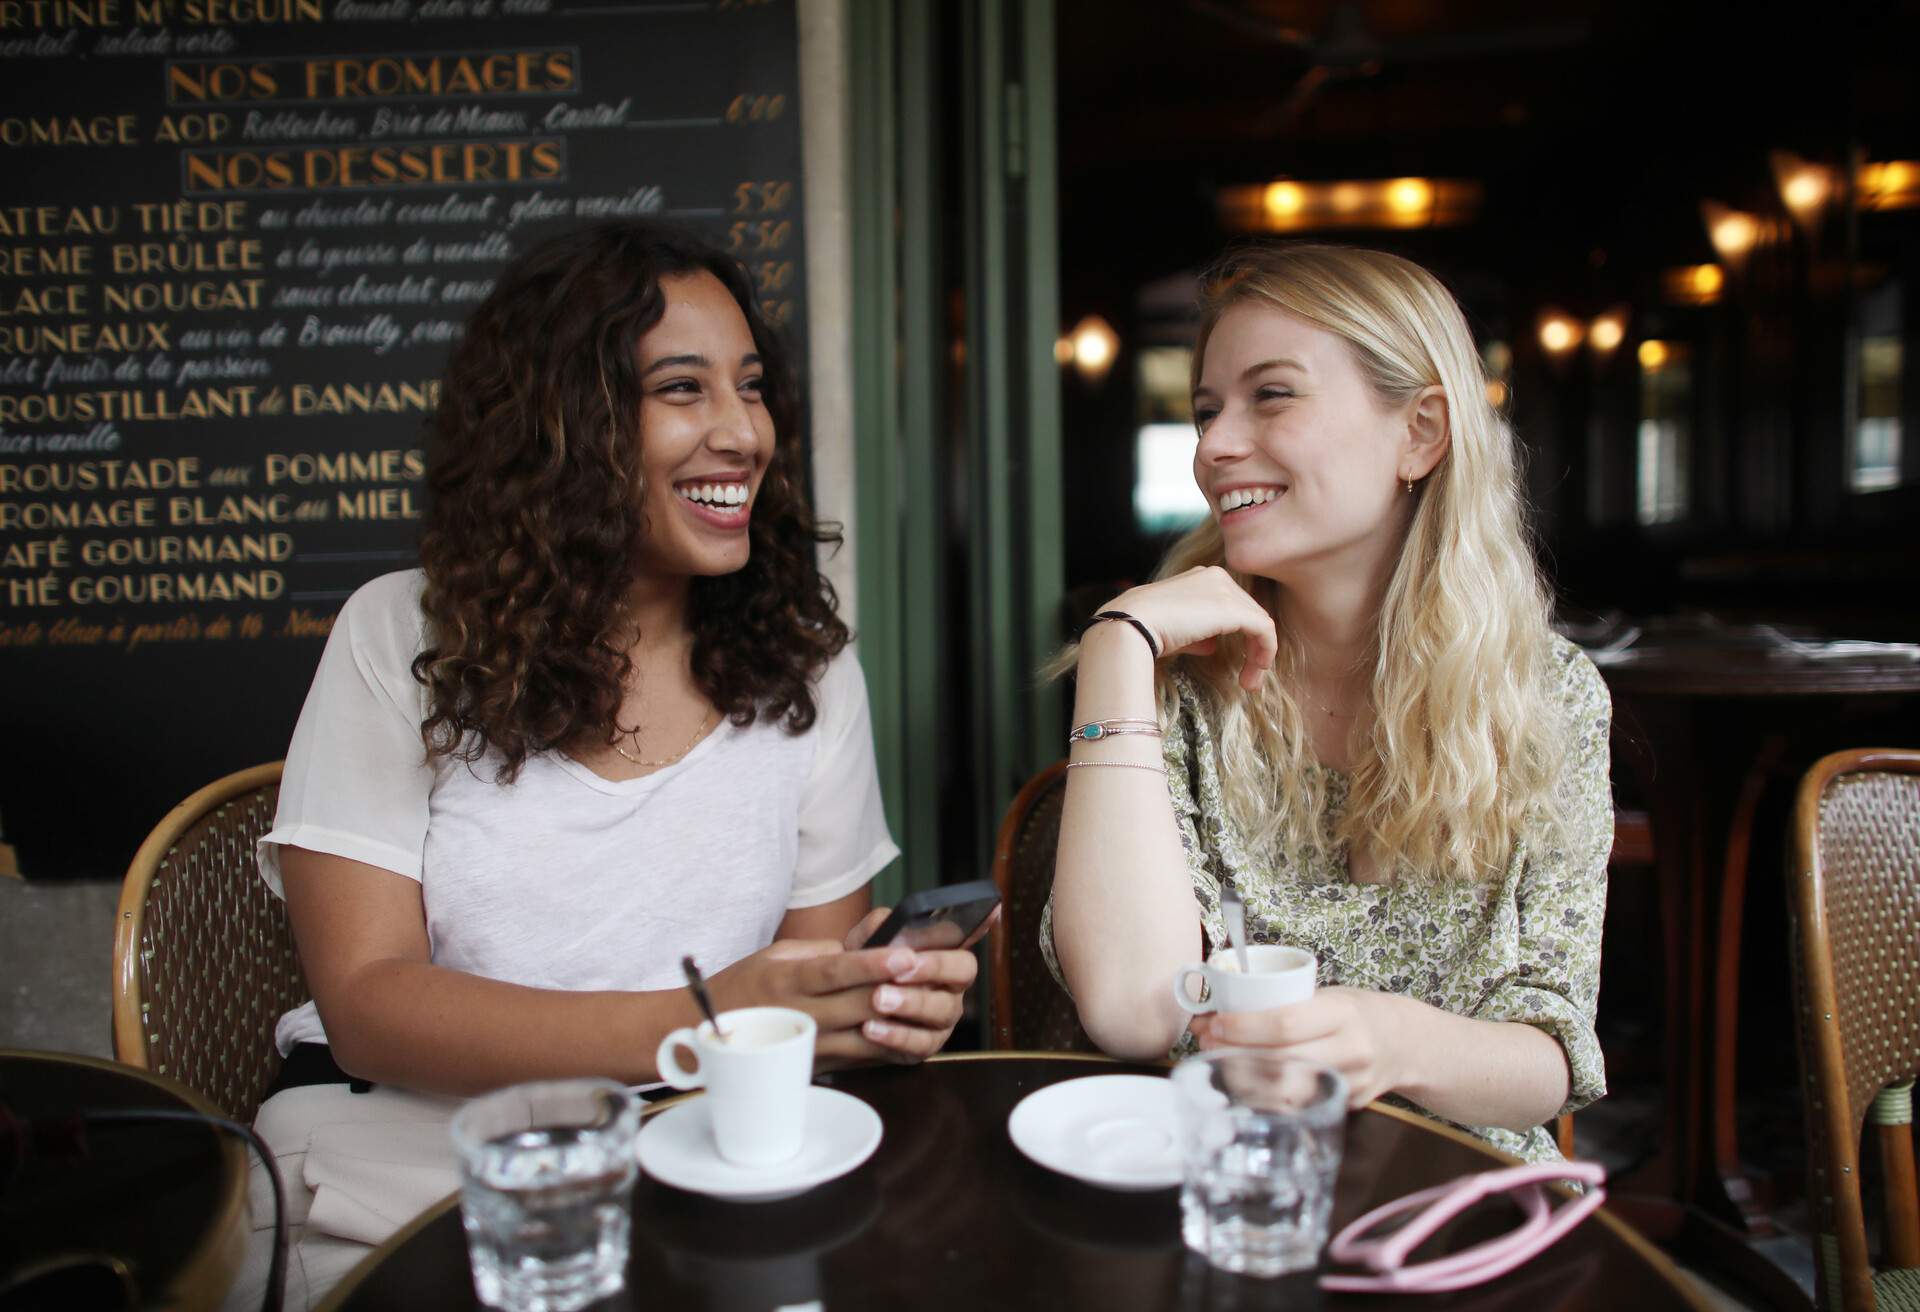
<point>1385,1256</point>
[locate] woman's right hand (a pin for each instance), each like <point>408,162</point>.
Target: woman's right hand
<point>1189,611</point>
<point>822,978</point>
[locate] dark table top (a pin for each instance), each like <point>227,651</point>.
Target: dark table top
<point>169,1201</point>
<point>948,1214</point>
<point>1703,660</point>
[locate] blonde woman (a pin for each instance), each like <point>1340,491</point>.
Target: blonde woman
<point>1364,722</point>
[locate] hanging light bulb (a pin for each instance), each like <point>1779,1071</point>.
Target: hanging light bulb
<point>1095,345</point>
<point>1410,199</point>
<point>1284,200</point>
<point>1607,331</point>
<point>1804,188</point>
<point>1733,233</point>
<point>1559,333</point>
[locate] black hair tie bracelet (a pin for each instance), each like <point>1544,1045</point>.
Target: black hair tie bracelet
<point>1146,633</point>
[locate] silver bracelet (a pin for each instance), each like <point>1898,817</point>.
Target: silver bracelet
<point>1094,730</point>
<point>1115,765</point>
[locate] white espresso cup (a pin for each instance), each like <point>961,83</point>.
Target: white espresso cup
<point>1275,977</point>
<point>756,1080</point>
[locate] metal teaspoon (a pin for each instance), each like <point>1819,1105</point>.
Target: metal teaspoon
<point>1234,912</point>
<point>701,996</point>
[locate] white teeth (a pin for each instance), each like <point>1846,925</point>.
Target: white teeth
<point>722,495</point>
<point>1247,496</point>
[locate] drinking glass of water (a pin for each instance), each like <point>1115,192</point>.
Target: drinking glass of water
<point>1261,1136</point>
<point>546,1192</point>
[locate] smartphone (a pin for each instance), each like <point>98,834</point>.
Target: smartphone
<point>938,917</point>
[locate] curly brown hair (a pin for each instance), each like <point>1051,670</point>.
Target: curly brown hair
<point>534,531</point>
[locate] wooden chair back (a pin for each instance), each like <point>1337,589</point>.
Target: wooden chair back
<point>1030,1012</point>
<point>203,961</point>
<point>1854,908</point>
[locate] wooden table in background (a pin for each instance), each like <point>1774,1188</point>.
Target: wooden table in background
<point>1706,715</point>
<point>949,1214</point>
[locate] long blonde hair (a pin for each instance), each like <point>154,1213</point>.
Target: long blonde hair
<point>1466,734</point>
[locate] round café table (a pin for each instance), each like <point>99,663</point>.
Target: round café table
<point>948,1214</point>
<point>158,1212</point>
<point>1707,715</point>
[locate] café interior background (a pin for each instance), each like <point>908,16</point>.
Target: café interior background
<point>1687,237</point>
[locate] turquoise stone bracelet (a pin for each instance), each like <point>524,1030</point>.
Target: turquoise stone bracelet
<point>1094,730</point>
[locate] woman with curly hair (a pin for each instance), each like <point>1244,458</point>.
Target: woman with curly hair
<point>1355,713</point>
<point>610,722</point>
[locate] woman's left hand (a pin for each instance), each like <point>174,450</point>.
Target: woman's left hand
<point>1358,1032</point>
<point>921,1008</point>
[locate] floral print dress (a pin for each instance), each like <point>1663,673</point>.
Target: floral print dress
<point>1524,947</point>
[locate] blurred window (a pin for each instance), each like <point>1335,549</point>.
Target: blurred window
<point>1165,497</point>
<point>1665,433</point>
<point>1874,462</point>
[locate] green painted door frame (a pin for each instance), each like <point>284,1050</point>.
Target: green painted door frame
<point>956,415</point>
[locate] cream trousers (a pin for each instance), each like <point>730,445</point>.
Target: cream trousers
<point>356,1167</point>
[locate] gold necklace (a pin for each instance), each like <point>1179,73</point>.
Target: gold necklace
<point>1301,694</point>
<point>705,724</point>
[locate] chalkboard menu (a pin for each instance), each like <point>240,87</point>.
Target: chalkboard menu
<point>237,238</point>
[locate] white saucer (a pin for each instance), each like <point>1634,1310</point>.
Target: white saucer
<point>676,1148</point>
<point>1115,1131</point>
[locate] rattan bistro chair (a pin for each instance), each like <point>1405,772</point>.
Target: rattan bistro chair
<point>1031,1013</point>
<point>1854,908</point>
<point>203,961</point>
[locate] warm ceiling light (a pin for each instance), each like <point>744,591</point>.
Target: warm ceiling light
<point>1889,185</point>
<point>1692,284</point>
<point>1496,393</point>
<point>1095,345</point>
<point>1804,187</point>
<point>1558,333</point>
<point>1284,199</point>
<point>1408,197</point>
<point>1607,331</point>
<point>1654,355</point>
<point>1804,190</point>
<point>1733,233</point>
<point>1291,205</point>
<point>1063,350</point>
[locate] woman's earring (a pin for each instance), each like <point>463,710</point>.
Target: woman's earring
<point>1409,487</point>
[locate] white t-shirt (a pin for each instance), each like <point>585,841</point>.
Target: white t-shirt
<point>563,879</point>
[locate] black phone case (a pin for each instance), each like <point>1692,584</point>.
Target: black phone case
<point>949,908</point>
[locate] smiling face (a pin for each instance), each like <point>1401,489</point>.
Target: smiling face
<point>1299,459</point>
<point>705,433</point>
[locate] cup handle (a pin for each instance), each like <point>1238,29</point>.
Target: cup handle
<point>1187,1004</point>
<point>669,1064</point>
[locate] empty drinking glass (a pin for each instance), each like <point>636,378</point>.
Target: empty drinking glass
<point>1261,1136</point>
<point>546,1192</point>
